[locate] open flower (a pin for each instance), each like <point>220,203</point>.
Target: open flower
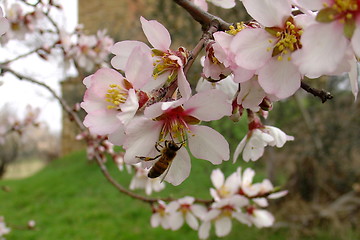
<point>259,136</point>
<point>178,121</point>
<point>168,64</point>
<point>224,188</point>
<point>269,50</point>
<point>184,210</point>
<point>111,100</point>
<point>221,214</point>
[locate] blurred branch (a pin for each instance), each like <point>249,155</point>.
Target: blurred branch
<point>62,102</point>
<point>322,94</point>
<point>201,16</point>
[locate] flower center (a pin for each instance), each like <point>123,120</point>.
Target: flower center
<point>288,39</point>
<point>346,7</point>
<point>115,96</point>
<point>169,61</point>
<point>176,123</point>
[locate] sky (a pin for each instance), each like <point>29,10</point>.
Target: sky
<point>16,94</point>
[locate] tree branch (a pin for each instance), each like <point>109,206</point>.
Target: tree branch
<point>322,94</point>
<point>201,16</point>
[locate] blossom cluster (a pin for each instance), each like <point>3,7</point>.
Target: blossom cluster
<point>24,21</point>
<point>3,228</point>
<point>234,198</point>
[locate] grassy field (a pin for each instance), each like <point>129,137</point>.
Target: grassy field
<point>70,199</point>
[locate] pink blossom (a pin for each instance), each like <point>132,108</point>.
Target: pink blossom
<point>221,214</point>
<point>224,188</point>
<point>220,3</point>
<point>111,101</point>
<point>253,144</point>
<point>178,121</point>
<point>269,50</point>
<point>184,210</point>
<point>168,64</point>
<point>160,216</point>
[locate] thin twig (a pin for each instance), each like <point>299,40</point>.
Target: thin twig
<point>201,16</point>
<point>322,94</point>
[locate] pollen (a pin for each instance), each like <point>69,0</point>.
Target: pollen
<point>115,96</point>
<point>233,31</point>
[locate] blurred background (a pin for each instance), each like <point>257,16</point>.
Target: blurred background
<point>46,177</point>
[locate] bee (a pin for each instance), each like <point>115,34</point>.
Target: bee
<point>165,158</point>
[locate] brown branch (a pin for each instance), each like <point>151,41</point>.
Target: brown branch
<point>322,94</point>
<point>122,189</point>
<point>201,16</point>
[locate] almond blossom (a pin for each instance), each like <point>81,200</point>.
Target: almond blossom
<point>168,64</point>
<point>141,181</point>
<point>259,136</point>
<point>224,188</point>
<point>160,216</point>
<point>269,50</point>
<point>178,121</point>
<point>184,210</point>
<point>111,100</point>
<point>221,214</point>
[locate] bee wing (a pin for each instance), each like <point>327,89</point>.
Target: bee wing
<point>179,169</point>
<point>166,172</point>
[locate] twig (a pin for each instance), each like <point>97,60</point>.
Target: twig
<point>322,94</point>
<point>201,16</point>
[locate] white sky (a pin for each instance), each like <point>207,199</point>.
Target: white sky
<point>18,94</point>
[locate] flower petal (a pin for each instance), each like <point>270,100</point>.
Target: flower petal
<point>280,78</point>
<point>139,67</point>
<point>209,105</point>
<point>156,34</point>
<point>223,226</point>
<point>122,50</point>
<point>251,47</point>
<point>217,178</point>
<point>183,84</point>
<point>180,168</point>
<point>192,221</point>
<point>204,230</point>
<point>206,143</point>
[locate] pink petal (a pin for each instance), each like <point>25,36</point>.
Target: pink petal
<point>310,4</point>
<point>354,77</point>
<point>355,40</point>
<point>201,4</point>
<point>223,226</point>
<point>117,137</point>
<point>102,122</point>
<point>123,50</point>
<point>239,148</point>
<point>180,168</point>
<point>183,84</point>
<point>141,137</point>
<point>227,4</point>
<point>129,108</point>
<point>263,218</point>
<point>217,178</point>
<point>268,12</point>
<point>252,48</point>
<point>323,49</point>
<point>242,74</point>
<point>206,143</point>
<point>156,34</point>
<point>280,78</point>
<point>209,105</point>
<point>139,68</point>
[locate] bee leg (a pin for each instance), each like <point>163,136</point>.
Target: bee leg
<point>149,158</point>
<point>157,146</point>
